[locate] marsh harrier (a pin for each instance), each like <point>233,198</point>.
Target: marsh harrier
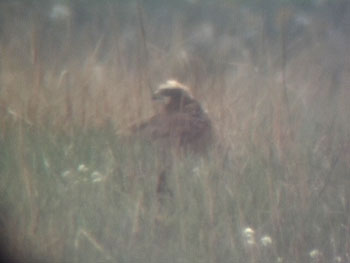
<point>181,126</point>
<point>181,123</point>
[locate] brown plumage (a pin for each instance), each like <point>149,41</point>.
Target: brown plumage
<point>181,123</point>
<point>181,126</point>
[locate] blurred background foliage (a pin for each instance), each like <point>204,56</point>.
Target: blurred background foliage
<point>274,77</point>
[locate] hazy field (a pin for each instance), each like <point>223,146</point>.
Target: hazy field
<point>274,188</point>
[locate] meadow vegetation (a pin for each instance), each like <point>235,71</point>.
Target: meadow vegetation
<point>274,188</point>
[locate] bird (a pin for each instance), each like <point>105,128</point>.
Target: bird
<point>181,126</point>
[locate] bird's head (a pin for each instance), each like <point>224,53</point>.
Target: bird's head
<point>177,94</point>
<point>174,90</point>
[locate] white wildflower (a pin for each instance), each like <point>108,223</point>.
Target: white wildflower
<point>96,177</point>
<point>315,254</point>
<point>60,12</point>
<point>82,168</point>
<point>66,173</point>
<point>266,241</point>
<point>248,232</point>
<point>249,236</point>
<point>97,180</point>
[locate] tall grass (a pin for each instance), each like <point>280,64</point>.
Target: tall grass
<point>73,189</point>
